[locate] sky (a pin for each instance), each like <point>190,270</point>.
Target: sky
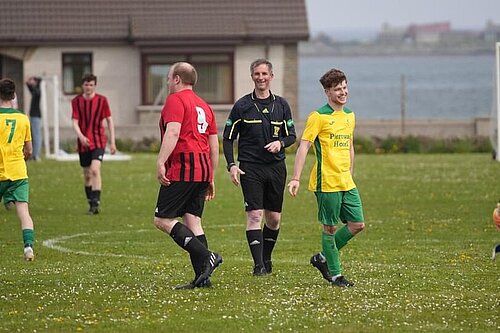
<point>361,16</point>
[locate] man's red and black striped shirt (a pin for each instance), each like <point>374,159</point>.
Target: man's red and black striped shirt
<point>190,159</point>
<point>90,114</point>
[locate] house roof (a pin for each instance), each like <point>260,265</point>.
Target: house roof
<point>438,27</point>
<point>28,22</point>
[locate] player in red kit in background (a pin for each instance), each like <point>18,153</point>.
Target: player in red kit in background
<point>89,111</point>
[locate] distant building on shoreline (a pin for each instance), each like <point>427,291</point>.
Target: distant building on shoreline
<point>436,38</point>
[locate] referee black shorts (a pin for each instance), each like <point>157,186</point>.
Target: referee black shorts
<point>180,198</point>
<point>263,185</point>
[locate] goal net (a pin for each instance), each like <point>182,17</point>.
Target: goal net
<point>53,119</point>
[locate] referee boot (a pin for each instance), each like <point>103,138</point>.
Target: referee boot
<point>268,264</point>
<point>259,270</point>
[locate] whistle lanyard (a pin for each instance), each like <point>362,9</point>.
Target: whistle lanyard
<point>260,111</point>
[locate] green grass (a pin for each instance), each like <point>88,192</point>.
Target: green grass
<point>422,263</point>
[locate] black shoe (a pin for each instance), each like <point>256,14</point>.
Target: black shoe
<point>268,264</point>
<point>189,285</point>
<point>212,262</point>
<point>93,210</point>
<point>496,250</point>
<point>319,262</point>
<point>204,284</point>
<point>341,281</point>
<point>259,270</point>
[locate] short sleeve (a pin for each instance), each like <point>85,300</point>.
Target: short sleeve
<point>312,128</point>
<point>106,111</point>
<point>173,110</point>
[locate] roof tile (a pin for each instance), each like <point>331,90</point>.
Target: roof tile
<point>30,22</point>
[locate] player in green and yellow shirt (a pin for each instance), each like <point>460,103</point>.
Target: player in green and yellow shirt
<point>15,149</point>
<point>329,130</point>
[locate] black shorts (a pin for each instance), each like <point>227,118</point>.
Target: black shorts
<point>180,198</point>
<point>263,185</point>
<point>87,157</point>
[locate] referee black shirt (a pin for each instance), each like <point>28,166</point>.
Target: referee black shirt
<point>258,122</point>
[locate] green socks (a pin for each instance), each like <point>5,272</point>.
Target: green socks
<point>331,253</point>
<point>28,237</point>
<point>342,236</point>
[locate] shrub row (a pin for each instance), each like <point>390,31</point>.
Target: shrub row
<point>421,144</point>
<point>363,145</point>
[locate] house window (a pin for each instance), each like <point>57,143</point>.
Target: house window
<point>215,76</point>
<point>75,66</point>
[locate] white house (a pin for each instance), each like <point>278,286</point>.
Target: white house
<point>130,45</point>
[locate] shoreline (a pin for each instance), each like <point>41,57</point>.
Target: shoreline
<point>427,127</point>
<point>357,49</point>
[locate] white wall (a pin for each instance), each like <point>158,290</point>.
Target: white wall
<point>118,69</point>
<point>118,78</point>
<point>245,55</point>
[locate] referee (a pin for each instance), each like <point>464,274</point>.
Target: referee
<point>263,122</point>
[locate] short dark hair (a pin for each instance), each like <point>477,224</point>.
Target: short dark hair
<point>332,78</point>
<point>261,61</point>
<point>89,78</point>
<point>186,72</point>
<point>7,90</point>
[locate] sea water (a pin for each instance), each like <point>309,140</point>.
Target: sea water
<point>445,87</point>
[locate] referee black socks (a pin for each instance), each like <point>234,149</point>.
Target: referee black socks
<point>270,237</point>
<point>254,239</point>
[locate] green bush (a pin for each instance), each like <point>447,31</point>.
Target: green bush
<point>421,144</point>
<point>363,145</point>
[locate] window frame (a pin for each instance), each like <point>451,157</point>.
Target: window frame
<point>188,57</point>
<point>73,64</point>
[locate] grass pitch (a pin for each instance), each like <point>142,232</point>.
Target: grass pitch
<point>422,263</point>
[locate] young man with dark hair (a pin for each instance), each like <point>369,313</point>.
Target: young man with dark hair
<point>330,131</point>
<point>15,149</point>
<point>263,122</point>
<point>186,163</point>
<point>89,111</point>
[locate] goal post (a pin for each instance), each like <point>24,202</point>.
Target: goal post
<point>50,84</point>
<point>497,79</point>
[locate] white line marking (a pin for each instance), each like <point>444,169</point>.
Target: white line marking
<point>53,244</point>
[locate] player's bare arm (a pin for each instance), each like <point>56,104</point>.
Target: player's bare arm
<point>213,141</point>
<point>82,138</point>
<point>300,159</point>
<point>27,150</point>
<point>111,127</point>
<point>168,144</point>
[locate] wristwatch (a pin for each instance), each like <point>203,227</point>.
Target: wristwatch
<point>230,165</point>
